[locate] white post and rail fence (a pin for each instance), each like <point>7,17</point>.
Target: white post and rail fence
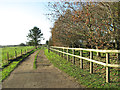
<point>107,52</point>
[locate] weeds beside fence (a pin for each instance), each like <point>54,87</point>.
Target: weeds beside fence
<point>35,60</point>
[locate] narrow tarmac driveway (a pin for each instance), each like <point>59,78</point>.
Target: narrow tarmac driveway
<point>45,76</point>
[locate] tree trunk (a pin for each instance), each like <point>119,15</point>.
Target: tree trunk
<point>72,45</point>
<point>35,47</point>
<point>118,48</point>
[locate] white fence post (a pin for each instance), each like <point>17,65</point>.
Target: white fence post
<point>91,63</point>
<point>63,53</point>
<point>107,68</point>
<point>67,55</point>
<point>73,56</point>
<point>81,60</point>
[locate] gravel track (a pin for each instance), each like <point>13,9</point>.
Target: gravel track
<point>45,76</point>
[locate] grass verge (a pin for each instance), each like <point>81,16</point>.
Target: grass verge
<point>81,75</point>
<point>6,71</point>
<point>35,60</point>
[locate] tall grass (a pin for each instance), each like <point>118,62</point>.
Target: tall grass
<point>35,60</point>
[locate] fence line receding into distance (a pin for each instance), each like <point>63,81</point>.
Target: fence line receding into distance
<point>107,52</point>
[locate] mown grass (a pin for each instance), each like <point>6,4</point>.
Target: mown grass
<point>35,60</point>
<point>7,70</point>
<point>81,75</point>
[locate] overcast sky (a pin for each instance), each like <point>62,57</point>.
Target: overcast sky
<point>17,17</point>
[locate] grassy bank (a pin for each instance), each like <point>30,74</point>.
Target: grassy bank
<point>81,75</point>
<point>7,70</point>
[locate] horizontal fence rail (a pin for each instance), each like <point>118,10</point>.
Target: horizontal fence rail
<point>107,52</point>
<point>94,50</point>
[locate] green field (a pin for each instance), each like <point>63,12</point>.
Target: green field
<point>7,70</point>
<point>10,51</point>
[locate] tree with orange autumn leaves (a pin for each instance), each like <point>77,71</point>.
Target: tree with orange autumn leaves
<point>95,24</point>
<point>62,31</point>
